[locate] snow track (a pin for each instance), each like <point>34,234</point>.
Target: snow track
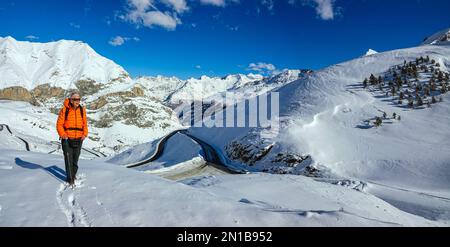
<point>70,207</point>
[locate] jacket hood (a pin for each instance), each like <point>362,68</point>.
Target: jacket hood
<point>67,103</point>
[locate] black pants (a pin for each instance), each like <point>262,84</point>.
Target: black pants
<point>71,149</point>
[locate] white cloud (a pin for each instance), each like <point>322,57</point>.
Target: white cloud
<point>119,40</point>
<point>141,5</point>
<point>179,6</point>
<point>74,25</point>
<point>220,3</point>
<point>158,18</point>
<point>198,67</point>
<point>163,13</point>
<point>140,14</point>
<point>263,68</point>
<point>325,9</point>
<point>32,37</point>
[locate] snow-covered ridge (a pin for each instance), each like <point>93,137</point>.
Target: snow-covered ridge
<point>442,37</point>
<point>60,64</point>
<point>173,90</point>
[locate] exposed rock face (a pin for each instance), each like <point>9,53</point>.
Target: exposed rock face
<point>251,149</point>
<point>16,93</point>
<point>97,104</point>
<point>138,91</point>
<point>247,153</point>
<point>292,160</point>
<point>88,87</point>
<point>45,92</point>
<point>130,113</point>
<point>40,94</point>
<point>118,97</point>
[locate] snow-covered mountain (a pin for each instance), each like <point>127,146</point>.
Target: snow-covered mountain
<point>389,139</point>
<point>370,52</point>
<point>172,90</point>
<point>120,114</point>
<point>442,37</point>
<point>362,165</point>
<point>60,64</point>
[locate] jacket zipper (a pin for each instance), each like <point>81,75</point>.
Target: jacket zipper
<point>76,127</point>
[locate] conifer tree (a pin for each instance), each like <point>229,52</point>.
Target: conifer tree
<point>378,121</point>
<point>365,83</point>
<point>419,101</point>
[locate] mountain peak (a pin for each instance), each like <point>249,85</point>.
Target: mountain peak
<point>60,63</point>
<point>7,38</point>
<point>370,52</point>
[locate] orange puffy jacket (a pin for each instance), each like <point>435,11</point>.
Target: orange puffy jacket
<point>75,126</point>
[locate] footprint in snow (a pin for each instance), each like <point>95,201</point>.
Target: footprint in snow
<point>71,199</point>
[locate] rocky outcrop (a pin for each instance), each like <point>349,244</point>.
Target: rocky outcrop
<point>45,91</point>
<point>142,115</point>
<point>17,94</point>
<point>247,153</point>
<point>88,87</point>
<point>290,159</point>
<point>38,95</point>
<point>117,97</point>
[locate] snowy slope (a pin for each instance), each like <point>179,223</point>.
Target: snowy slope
<point>60,64</point>
<point>323,117</point>
<point>37,125</point>
<point>32,194</point>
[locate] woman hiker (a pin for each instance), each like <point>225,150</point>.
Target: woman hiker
<point>72,129</point>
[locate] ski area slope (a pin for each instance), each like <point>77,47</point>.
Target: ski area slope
<point>32,194</point>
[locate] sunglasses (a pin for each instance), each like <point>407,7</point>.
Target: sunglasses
<point>75,99</point>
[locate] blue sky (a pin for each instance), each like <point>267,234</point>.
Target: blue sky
<point>189,38</point>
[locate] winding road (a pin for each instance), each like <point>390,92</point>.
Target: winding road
<point>3,126</point>
<point>27,145</point>
<point>211,155</point>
